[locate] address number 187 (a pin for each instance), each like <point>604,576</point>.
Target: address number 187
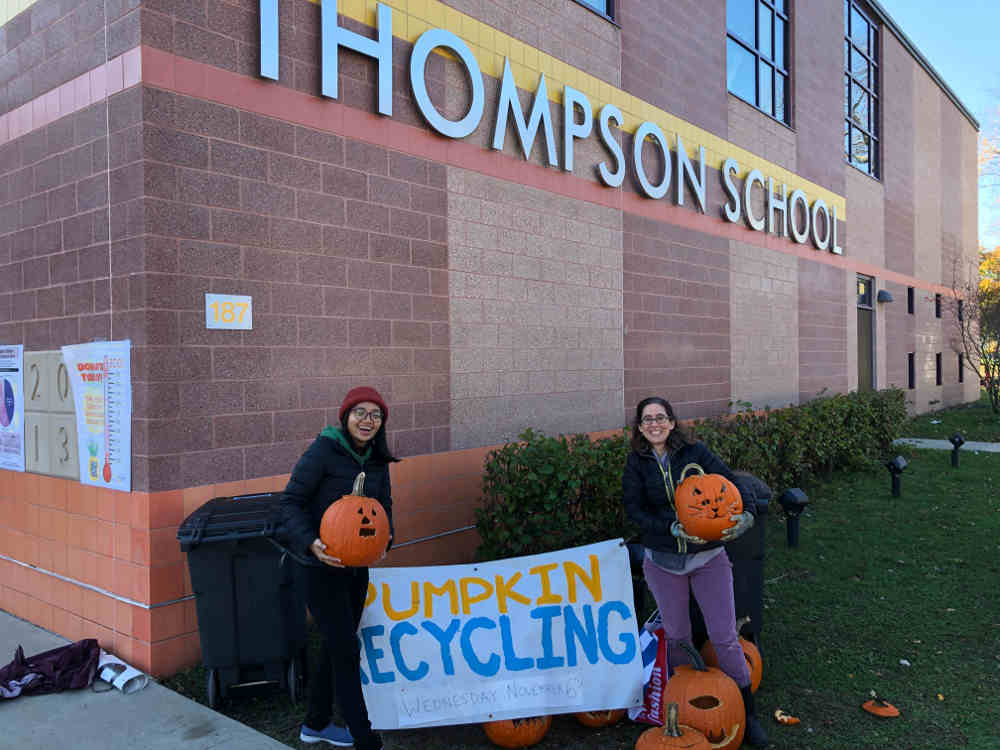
<point>230,311</point>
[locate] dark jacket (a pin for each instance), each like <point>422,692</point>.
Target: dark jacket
<point>648,494</point>
<point>324,474</point>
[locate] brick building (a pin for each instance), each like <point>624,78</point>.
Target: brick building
<point>390,232</point>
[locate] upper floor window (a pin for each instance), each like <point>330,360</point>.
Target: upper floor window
<point>604,7</point>
<point>757,54</point>
<point>861,83</point>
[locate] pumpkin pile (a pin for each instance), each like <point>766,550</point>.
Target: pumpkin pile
<point>515,733</point>
<point>708,700</point>
<point>705,503</point>
<point>355,529</point>
<point>750,652</point>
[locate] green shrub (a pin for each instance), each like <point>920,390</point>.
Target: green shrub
<point>547,493</point>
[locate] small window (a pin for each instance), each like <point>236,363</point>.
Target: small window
<point>961,370</point>
<point>909,300</point>
<point>937,305</point>
<point>865,285</point>
<point>937,368</point>
<point>757,54</point>
<point>911,371</point>
<point>605,7</point>
<point>961,311</point>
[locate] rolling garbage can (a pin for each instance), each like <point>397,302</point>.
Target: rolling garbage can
<point>251,616</point>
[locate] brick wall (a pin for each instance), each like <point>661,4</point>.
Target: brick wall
<point>825,312</point>
<point>899,156</point>
<point>751,129</point>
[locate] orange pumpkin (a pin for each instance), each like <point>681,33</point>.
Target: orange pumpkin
<point>597,719</point>
<point>355,529</point>
<point>705,503</point>
<point>515,733</point>
<point>672,735</point>
<point>880,707</point>
<point>708,700</point>
<point>750,652</point>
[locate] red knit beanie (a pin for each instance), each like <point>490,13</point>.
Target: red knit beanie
<point>363,393</point>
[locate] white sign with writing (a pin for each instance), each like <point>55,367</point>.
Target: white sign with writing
<point>12,407</point>
<point>101,374</point>
<point>229,311</point>
<point>543,634</point>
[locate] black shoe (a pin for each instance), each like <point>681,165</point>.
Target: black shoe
<point>754,735</point>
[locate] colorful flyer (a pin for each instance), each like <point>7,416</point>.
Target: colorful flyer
<point>12,407</point>
<point>101,374</point>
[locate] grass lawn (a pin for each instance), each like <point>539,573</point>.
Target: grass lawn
<point>976,421</point>
<point>875,581</point>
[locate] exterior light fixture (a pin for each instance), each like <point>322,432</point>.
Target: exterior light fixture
<point>957,442</point>
<point>793,501</point>
<point>895,467</point>
<point>884,295</point>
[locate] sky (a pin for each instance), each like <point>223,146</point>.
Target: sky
<point>961,41</point>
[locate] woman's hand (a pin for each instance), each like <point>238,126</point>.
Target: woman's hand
<point>743,520</point>
<point>677,529</point>
<point>319,550</point>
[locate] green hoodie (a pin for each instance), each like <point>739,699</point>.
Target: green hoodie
<point>337,435</point>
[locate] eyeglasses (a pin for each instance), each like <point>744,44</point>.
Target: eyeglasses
<point>361,414</point>
<point>658,419</point>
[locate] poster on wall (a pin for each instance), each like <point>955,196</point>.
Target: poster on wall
<point>12,407</point>
<point>527,636</point>
<point>101,374</point>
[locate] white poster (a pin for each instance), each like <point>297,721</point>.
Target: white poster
<point>101,374</point>
<point>12,407</point>
<point>543,634</point>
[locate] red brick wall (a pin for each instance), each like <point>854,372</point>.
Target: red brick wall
<point>823,311</point>
<point>898,173</point>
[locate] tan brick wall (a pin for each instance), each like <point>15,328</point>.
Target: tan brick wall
<point>760,134</point>
<point>865,240</point>
<point>851,328</point>
<point>764,328</point>
<point>535,289</point>
<point>927,159</point>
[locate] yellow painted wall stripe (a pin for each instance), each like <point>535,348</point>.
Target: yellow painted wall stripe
<point>411,18</point>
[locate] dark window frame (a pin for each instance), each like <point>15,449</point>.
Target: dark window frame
<point>911,370</point>
<point>609,15</point>
<point>868,91</point>
<point>910,300</point>
<point>961,370</point>
<point>937,305</point>
<point>777,72</point>
<point>937,369</point>
<point>961,310</point>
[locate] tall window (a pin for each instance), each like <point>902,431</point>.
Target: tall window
<point>604,7</point>
<point>757,54</point>
<point>861,79</point>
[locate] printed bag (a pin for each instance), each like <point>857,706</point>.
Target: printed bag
<point>653,645</point>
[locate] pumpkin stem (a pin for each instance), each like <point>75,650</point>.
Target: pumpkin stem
<point>692,465</point>
<point>741,622</point>
<point>670,727</point>
<point>359,485</point>
<point>696,661</point>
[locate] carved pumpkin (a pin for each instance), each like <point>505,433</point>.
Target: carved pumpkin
<point>705,503</point>
<point>708,700</point>
<point>750,652</point>
<point>355,528</point>
<point>600,718</point>
<point>672,735</point>
<point>516,733</point>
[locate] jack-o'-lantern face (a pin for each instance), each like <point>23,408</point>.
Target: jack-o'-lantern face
<point>368,511</point>
<point>708,700</point>
<point>718,735</point>
<point>706,503</point>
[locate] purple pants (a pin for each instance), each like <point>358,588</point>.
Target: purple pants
<point>712,585</point>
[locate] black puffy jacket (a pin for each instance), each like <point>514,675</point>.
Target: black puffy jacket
<point>649,495</point>
<point>324,474</point>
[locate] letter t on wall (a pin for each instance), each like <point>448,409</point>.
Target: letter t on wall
<point>333,36</point>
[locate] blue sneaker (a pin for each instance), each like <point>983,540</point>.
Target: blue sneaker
<point>332,734</point>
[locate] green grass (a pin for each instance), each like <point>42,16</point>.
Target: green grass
<point>875,580</point>
<point>976,421</point>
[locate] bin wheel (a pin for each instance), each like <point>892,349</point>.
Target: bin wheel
<point>212,687</point>
<point>294,680</point>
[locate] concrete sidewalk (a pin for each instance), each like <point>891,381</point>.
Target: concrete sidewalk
<point>945,445</point>
<point>153,719</point>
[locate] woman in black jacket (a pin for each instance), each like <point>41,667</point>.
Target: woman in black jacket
<point>334,593</point>
<point>676,562</point>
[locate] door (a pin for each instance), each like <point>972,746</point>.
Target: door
<point>866,334</point>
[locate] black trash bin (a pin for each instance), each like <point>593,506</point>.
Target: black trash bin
<point>251,616</point>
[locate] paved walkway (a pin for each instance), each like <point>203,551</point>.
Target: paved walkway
<point>947,446</point>
<point>155,718</point>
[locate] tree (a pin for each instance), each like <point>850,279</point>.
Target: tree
<point>976,316</point>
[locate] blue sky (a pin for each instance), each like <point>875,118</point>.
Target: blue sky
<point>961,41</point>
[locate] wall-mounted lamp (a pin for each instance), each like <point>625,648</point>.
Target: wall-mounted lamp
<point>793,501</point>
<point>895,467</point>
<point>957,442</point>
<point>884,295</point>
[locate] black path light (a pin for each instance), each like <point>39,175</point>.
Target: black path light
<point>895,467</point>
<point>957,441</point>
<point>793,501</point>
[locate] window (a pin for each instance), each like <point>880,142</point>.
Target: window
<point>757,54</point>
<point>961,310</point>
<point>909,300</point>
<point>937,368</point>
<point>911,371</point>
<point>861,81</point>
<point>604,7</point>
<point>937,305</point>
<point>961,370</point>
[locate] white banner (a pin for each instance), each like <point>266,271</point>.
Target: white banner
<point>101,374</point>
<point>12,407</point>
<point>543,634</point>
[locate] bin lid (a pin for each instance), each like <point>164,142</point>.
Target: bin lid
<point>224,519</point>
